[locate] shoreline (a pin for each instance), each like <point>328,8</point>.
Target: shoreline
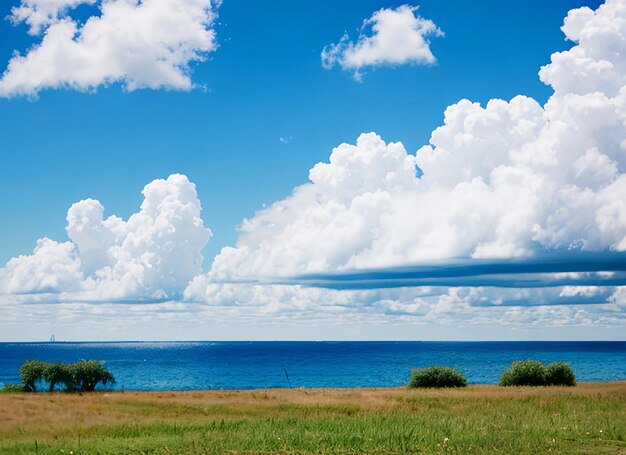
<point>328,389</point>
<point>582,387</point>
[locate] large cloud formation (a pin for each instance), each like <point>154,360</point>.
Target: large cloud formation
<point>397,36</point>
<point>151,256</point>
<point>140,44</point>
<point>512,182</point>
<point>510,179</point>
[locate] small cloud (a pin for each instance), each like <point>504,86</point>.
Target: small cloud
<point>285,140</point>
<point>390,37</point>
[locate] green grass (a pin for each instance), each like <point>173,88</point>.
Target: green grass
<point>481,420</point>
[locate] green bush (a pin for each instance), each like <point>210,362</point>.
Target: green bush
<point>560,373</point>
<point>84,375</point>
<point>437,377</point>
<point>534,373</point>
<point>524,372</point>
<point>12,388</point>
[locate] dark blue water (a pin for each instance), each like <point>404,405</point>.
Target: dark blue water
<point>247,365</point>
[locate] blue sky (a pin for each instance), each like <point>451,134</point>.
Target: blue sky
<point>515,182</point>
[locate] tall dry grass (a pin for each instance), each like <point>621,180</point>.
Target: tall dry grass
<point>589,418</point>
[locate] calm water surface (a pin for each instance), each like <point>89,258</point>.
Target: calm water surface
<point>249,365</point>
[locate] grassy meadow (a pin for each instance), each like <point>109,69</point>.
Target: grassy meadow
<point>587,419</point>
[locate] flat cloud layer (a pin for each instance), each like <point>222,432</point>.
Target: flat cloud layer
<point>398,36</point>
<point>140,44</point>
<point>151,256</point>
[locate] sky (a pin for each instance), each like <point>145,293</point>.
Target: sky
<point>312,170</point>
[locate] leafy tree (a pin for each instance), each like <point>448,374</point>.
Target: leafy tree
<point>59,373</point>
<point>88,373</point>
<point>31,372</point>
<point>84,375</point>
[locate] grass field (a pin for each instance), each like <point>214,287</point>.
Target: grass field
<point>587,419</point>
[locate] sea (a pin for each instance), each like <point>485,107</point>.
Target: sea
<point>155,366</point>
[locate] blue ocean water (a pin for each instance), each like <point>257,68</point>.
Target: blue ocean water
<point>251,365</point>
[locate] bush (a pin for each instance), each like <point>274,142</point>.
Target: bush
<point>560,373</point>
<point>84,375</point>
<point>524,372</point>
<point>437,377</point>
<point>13,388</point>
<point>534,373</point>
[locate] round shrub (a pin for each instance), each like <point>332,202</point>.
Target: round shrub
<point>437,377</point>
<point>524,372</point>
<point>560,373</point>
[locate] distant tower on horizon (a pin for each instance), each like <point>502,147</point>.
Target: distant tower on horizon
<point>53,339</point>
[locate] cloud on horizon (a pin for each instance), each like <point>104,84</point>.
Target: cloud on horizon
<point>139,44</point>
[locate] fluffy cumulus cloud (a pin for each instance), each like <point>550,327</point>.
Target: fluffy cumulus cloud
<point>390,37</point>
<point>153,255</point>
<point>139,44</point>
<point>510,179</point>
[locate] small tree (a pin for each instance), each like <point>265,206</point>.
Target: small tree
<point>88,373</point>
<point>58,373</point>
<point>84,375</point>
<point>437,377</point>
<point>31,372</point>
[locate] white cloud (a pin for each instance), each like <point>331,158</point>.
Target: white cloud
<point>397,37</point>
<point>510,179</point>
<point>140,44</point>
<point>39,14</point>
<point>597,64</point>
<point>432,306</point>
<point>152,255</point>
<point>300,313</point>
<point>52,267</point>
